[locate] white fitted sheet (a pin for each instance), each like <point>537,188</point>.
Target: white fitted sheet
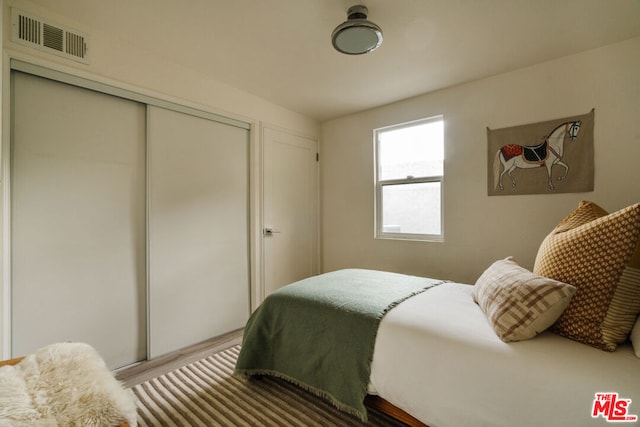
<point>437,358</point>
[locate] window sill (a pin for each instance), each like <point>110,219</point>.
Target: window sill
<point>411,238</point>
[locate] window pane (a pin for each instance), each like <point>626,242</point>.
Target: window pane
<point>416,151</point>
<point>411,208</point>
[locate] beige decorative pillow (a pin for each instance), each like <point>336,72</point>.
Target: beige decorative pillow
<point>519,304</point>
<point>590,249</point>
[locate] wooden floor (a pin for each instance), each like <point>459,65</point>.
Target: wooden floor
<point>149,369</point>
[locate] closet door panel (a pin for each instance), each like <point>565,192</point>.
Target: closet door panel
<point>198,229</point>
<point>78,220</point>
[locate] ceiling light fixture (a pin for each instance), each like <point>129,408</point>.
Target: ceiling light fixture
<point>356,35</point>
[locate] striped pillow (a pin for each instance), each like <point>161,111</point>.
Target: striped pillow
<point>624,308</point>
<point>590,249</point>
<point>519,304</point>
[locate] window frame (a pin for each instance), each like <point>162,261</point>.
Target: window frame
<point>379,184</point>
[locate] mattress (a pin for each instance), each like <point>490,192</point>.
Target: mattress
<point>437,358</point>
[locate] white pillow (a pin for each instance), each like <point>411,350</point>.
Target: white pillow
<point>635,337</point>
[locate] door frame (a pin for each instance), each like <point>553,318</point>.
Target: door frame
<point>258,235</point>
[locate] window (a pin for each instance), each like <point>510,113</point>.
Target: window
<point>409,169</point>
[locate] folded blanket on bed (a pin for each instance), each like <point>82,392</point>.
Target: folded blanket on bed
<point>320,332</point>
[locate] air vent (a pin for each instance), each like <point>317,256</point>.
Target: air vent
<point>30,30</point>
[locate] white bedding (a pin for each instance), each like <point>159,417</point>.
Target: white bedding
<point>437,358</point>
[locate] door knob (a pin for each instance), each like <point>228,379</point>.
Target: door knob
<point>268,231</point>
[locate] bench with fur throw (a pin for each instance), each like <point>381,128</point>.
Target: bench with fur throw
<point>65,384</point>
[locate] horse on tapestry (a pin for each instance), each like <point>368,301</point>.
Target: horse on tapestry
<point>548,153</point>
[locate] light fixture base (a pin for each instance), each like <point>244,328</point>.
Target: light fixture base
<point>357,12</point>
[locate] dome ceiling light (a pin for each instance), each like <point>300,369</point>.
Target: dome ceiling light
<point>356,35</point>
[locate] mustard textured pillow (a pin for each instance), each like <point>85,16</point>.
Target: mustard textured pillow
<point>590,249</point>
<point>517,303</point>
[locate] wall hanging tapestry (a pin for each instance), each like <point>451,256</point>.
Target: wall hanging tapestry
<point>549,157</point>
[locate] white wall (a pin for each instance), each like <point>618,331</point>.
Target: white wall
<point>118,62</point>
<point>481,229</point>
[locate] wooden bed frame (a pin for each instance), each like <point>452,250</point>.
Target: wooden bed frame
<point>18,359</point>
<point>393,411</point>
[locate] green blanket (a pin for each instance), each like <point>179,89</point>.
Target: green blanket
<point>320,332</point>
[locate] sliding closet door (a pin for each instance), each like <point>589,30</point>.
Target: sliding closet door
<point>78,209</point>
<point>198,229</point>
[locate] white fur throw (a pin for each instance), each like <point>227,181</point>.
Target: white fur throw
<point>66,384</point>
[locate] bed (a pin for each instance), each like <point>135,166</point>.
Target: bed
<point>452,354</point>
<point>459,373</point>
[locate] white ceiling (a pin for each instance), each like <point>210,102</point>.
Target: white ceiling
<point>281,50</point>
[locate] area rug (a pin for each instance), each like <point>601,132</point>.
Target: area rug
<point>206,393</point>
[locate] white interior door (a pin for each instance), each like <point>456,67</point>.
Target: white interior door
<point>198,229</point>
<point>290,208</point>
<point>77,220</point>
